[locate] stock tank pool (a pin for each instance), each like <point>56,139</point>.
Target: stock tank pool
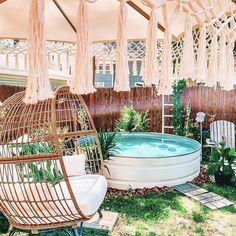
<point>152,159</point>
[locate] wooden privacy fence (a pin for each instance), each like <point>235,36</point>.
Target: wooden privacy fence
<point>105,104</point>
<point>212,102</point>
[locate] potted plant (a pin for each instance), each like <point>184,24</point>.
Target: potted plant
<point>220,165</point>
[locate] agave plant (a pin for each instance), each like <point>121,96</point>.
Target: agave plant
<point>132,121</point>
<point>107,143</point>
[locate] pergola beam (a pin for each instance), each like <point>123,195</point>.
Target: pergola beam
<point>64,14</point>
<point>145,15</point>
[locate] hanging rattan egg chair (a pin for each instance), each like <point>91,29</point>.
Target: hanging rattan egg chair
<point>45,151</point>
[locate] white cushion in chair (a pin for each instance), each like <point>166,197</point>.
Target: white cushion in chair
<point>89,191</point>
<point>75,165</point>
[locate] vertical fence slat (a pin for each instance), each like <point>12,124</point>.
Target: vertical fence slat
<point>105,104</point>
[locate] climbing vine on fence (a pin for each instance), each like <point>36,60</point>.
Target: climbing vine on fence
<point>177,111</point>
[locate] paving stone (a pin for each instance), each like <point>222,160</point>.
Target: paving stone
<point>183,188</point>
<point>226,201</point>
<point>209,199</point>
<point>218,204</point>
<point>107,222</point>
<point>196,192</point>
<point>204,196</point>
<point>212,207</point>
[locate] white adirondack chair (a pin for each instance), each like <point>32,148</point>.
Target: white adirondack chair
<point>222,130</point>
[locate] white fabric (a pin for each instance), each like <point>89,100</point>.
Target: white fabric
<point>222,63</point>
<point>212,74</point>
<point>22,139</point>
<point>229,82</point>
<point>167,78</point>
<point>122,67</point>
<point>103,19</point>
<point>38,86</point>
<point>74,165</point>
<point>89,191</point>
<point>201,68</point>
<point>150,75</point>
<point>165,86</point>
<point>187,65</point>
<point>82,81</point>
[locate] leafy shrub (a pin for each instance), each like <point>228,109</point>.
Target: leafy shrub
<point>132,121</point>
<point>221,161</point>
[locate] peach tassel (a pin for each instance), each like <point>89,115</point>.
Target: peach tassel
<point>82,82</point>
<point>122,68</point>
<point>38,86</point>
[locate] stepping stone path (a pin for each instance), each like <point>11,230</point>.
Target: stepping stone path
<point>209,199</point>
<point>107,222</point>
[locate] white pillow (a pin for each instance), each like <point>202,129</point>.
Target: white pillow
<point>75,165</point>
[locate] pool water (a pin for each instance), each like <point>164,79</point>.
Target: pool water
<point>153,145</point>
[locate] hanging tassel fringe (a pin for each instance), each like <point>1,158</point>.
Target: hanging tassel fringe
<point>167,66</point>
<point>82,82</point>
<point>38,86</point>
<point>212,75</point>
<point>230,75</point>
<point>201,69</point>
<point>187,66</point>
<point>122,67</point>
<point>150,76</point>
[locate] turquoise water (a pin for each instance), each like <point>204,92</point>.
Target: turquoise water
<point>153,145</point>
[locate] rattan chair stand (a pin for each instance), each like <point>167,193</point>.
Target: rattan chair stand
<point>50,163</point>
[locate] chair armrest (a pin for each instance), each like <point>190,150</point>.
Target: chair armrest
<point>209,142</point>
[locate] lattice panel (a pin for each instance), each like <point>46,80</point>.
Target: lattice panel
<point>61,56</point>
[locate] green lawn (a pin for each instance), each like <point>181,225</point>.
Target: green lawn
<point>172,214</point>
<point>169,214</point>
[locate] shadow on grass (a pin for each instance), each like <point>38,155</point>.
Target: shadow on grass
<point>150,207</point>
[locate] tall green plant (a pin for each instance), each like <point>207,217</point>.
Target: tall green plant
<point>177,112</point>
<point>132,121</point>
<point>107,142</point>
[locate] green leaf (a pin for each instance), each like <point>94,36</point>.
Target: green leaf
<point>227,170</point>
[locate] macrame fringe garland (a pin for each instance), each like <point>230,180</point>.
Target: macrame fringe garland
<point>82,81</point>
<point>38,86</point>
<point>122,67</point>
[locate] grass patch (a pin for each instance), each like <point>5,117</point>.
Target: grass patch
<point>199,231</point>
<point>198,217</point>
<point>150,208</point>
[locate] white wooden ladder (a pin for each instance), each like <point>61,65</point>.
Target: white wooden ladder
<point>164,115</point>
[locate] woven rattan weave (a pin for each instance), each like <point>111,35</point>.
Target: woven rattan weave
<point>35,191</point>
